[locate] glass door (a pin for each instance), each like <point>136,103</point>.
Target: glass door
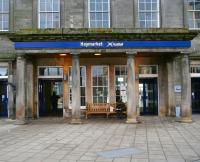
<point>50,97</point>
<point>195,89</point>
<point>148,96</point>
<point>3,99</point>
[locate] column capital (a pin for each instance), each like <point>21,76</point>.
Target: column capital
<point>131,53</point>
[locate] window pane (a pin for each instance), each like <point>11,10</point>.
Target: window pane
<point>6,5</point>
<point>3,71</point>
<point>92,6</point>
<point>105,7</point>
<point>141,6</point>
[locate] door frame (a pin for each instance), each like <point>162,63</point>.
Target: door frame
<point>194,77</point>
<point>39,77</point>
<point>157,84</point>
<point>5,80</point>
<point>53,79</point>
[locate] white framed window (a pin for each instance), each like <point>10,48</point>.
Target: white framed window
<point>99,13</point>
<point>148,71</point>
<point>82,86</point>
<point>3,72</point>
<point>195,70</point>
<point>49,13</point>
<point>121,83</point>
<point>100,84</point>
<point>50,72</point>
<point>194,14</point>
<point>4,15</point>
<point>149,13</point>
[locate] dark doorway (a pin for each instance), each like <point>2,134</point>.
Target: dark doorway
<point>3,99</point>
<point>148,96</point>
<point>195,89</point>
<point>50,98</point>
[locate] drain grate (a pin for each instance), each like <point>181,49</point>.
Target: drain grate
<point>120,152</point>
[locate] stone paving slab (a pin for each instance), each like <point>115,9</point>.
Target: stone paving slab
<point>54,139</point>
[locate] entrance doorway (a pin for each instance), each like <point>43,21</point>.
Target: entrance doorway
<point>50,97</point>
<point>195,89</point>
<point>148,96</point>
<point>3,99</point>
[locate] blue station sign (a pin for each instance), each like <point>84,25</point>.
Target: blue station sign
<point>102,44</point>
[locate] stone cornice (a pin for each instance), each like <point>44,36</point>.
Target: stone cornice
<point>83,34</point>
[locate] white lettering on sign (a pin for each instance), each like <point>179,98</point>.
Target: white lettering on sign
<point>115,44</point>
<point>91,44</point>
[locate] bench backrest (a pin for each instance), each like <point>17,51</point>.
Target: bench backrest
<point>98,107</point>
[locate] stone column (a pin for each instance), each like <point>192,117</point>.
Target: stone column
<point>76,105</point>
<point>171,96</point>
<point>29,78</point>
<point>21,90</point>
<point>11,89</point>
<point>131,96</point>
<point>186,111</point>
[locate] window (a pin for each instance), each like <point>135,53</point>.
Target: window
<point>194,14</point>
<point>99,13</point>
<point>49,14</point>
<point>50,72</point>
<point>121,83</point>
<point>100,84</point>
<point>82,86</point>
<point>149,13</point>
<point>148,69</point>
<point>4,15</point>
<point>195,69</point>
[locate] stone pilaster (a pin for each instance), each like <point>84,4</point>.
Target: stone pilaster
<point>76,105</point>
<point>11,91</point>
<point>186,111</point>
<point>131,105</point>
<point>21,90</point>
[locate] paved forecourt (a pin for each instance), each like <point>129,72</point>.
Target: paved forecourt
<point>53,139</point>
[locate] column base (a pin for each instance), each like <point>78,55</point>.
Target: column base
<point>21,122</point>
<point>132,121</point>
<point>184,120</point>
<point>76,121</point>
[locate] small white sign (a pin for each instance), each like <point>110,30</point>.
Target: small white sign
<point>120,79</point>
<point>177,88</point>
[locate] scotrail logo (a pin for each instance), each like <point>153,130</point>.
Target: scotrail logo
<point>115,44</point>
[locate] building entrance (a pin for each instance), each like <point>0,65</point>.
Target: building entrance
<point>195,89</point>
<point>148,96</point>
<point>50,97</point>
<point>3,99</point>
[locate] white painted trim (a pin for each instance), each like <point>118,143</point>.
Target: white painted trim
<point>194,75</point>
<point>148,75</point>
<point>3,77</point>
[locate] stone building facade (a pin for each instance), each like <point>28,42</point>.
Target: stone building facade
<point>144,53</point>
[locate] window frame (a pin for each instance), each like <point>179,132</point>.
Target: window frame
<point>69,104</point>
<point>52,12</point>
<point>193,12</point>
<point>108,85</point>
<point>126,81</point>
<point>157,11</point>
<point>5,13</point>
<point>89,12</point>
<point>50,76</point>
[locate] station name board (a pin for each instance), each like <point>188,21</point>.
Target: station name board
<point>102,44</point>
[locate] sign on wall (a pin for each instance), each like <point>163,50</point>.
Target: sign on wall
<point>177,88</point>
<point>102,44</point>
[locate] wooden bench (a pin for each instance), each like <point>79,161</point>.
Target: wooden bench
<point>100,108</point>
